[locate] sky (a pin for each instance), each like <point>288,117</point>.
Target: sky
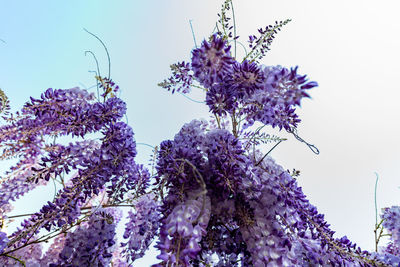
<point>349,47</point>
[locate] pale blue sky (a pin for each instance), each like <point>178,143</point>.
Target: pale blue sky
<point>349,47</point>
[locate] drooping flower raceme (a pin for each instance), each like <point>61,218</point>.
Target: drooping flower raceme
<point>141,228</point>
<point>254,203</point>
<point>3,241</point>
<point>212,62</point>
<point>256,93</point>
<point>58,112</point>
<point>182,230</point>
<point>107,164</point>
<point>391,222</point>
<point>30,255</point>
<point>90,244</point>
<point>181,79</point>
<point>52,255</point>
<point>390,253</point>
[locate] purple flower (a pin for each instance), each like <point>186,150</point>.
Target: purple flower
<point>181,78</point>
<point>246,78</point>
<point>112,162</point>
<point>53,253</point>
<point>182,230</point>
<point>285,228</point>
<point>212,61</point>
<point>30,255</point>
<point>286,86</point>
<point>220,98</point>
<point>226,162</point>
<point>3,241</point>
<point>63,112</point>
<point>91,244</point>
<point>261,108</point>
<point>186,146</point>
<point>141,228</point>
<point>391,222</point>
<point>108,86</point>
<point>17,184</point>
<point>386,258</point>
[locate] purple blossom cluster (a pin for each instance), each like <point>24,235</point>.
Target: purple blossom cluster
<point>16,184</point>
<point>90,244</point>
<point>181,79</point>
<point>391,222</point>
<point>4,104</point>
<point>3,241</point>
<point>261,45</point>
<point>390,253</point>
<point>245,89</point>
<point>182,230</point>
<point>212,61</point>
<point>109,86</point>
<point>63,112</point>
<point>106,167</point>
<point>29,255</point>
<point>227,165</point>
<point>258,215</point>
<point>288,230</point>
<point>141,228</point>
<point>52,254</point>
<point>57,112</point>
<point>110,165</point>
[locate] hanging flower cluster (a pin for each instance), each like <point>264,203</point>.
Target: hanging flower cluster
<point>84,169</point>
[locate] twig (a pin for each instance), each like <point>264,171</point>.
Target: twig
<point>105,48</point>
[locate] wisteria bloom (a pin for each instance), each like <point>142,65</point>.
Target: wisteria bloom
<point>91,244</point>
<point>3,241</point>
<point>141,228</point>
<point>287,86</point>
<point>212,61</point>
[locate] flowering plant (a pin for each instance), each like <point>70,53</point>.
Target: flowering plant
<point>215,199</point>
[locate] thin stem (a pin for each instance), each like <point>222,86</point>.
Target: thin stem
<point>197,86</point>
<point>21,215</point>
<point>105,48</point>
<point>376,205</point>
<point>191,99</point>
<point>194,37</point>
<point>234,26</point>
<point>179,249</point>
<point>126,118</point>
<point>254,134</point>
<point>312,147</point>
<point>55,188</point>
<point>196,173</point>
<point>98,72</point>
<point>216,26</point>
<point>261,41</point>
<point>234,124</point>
<point>258,163</point>
<point>144,144</point>
<point>223,20</point>
<point>218,120</point>
<point>244,48</point>
<point>16,259</point>
<point>376,216</point>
